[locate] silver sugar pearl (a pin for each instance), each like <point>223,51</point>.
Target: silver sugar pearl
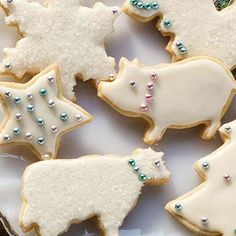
<point>157,163</point>
<point>78,117</point>
<point>228,129</point>
<point>50,79</point>
<point>8,66</point>
<point>54,129</point>
<point>132,83</point>
<point>7,94</point>
<point>9,1</point>
<point>204,221</point>
<point>6,138</point>
<point>28,136</point>
<point>18,116</point>
<point>136,169</point>
<point>29,96</point>
<point>46,156</point>
<point>205,165</point>
<point>51,103</point>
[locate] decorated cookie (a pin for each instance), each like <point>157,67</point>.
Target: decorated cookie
<point>5,228</point>
<point>179,95</point>
<point>37,114</point>
<point>60,32</point>
<point>104,186</point>
<point>209,209</point>
<point>213,34</point>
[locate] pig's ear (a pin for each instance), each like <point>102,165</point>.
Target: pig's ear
<point>123,62</point>
<point>135,62</point>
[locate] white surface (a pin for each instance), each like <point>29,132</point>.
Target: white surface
<point>110,132</point>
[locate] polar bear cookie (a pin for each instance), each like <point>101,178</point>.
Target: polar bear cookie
<point>37,114</point>
<point>210,208</point>
<point>75,190</point>
<point>60,32</point>
<point>213,35</point>
<point>179,95</point>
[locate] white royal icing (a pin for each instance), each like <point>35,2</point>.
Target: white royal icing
<point>48,108</point>
<point>215,198</point>
<point>58,192</point>
<point>63,33</point>
<point>184,94</point>
<point>203,30</point>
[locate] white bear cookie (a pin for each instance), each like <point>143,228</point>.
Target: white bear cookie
<point>213,34</point>
<point>179,95</point>
<point>75,190</point>
<point>210,208</point>
<point>37,114</point>
<point>60,32</point>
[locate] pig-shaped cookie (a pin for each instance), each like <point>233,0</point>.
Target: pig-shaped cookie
<point>57,193</point>
<point>179,95</point>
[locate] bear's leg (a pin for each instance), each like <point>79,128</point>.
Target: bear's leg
<point>110,225</point>
<point>211,130</point>
<point>154,134</point>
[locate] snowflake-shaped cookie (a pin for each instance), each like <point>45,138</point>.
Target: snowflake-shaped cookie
<point>37,114</point>
<point>60,32</point>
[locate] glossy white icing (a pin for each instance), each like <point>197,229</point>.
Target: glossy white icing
<point>184,94</point>
<point>215,198</point>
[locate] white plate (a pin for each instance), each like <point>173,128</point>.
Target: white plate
<point>111,132</point>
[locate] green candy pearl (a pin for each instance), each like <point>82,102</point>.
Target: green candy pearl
<point>235,231</point>
<point>167,24</point>
<point>17,100</point>
<point>16,131</point>
<point>133,2</point>
<point>148,6</point>
<point>43,92</point>
<point>64,116</point>
<point>142,177</point>
<point>131,162</point>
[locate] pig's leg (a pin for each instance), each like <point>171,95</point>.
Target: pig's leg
<point>154,134</point>
<point>110,227</point>
<point>210,131</point>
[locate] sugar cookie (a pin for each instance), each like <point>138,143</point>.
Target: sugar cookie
<point>179,95</point>
<point>60,32</point>
<point>213,34</point>
<point>209,209</point>
<point>37,114</point>
<point>75,190</point>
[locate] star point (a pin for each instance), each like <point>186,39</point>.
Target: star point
<point>37,114</point>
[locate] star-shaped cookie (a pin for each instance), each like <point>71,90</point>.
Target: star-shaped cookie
<point>63,33</point>
<point>37,114</point>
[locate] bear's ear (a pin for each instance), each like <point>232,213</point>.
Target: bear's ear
<point>123,62</point>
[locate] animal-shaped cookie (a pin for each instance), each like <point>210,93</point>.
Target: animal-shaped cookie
<point>57,193</point>
<point>210,208</point>
<point>37,114</point>
<point>179,95</point>
<point>60,32</point>
<point>195,28</point>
